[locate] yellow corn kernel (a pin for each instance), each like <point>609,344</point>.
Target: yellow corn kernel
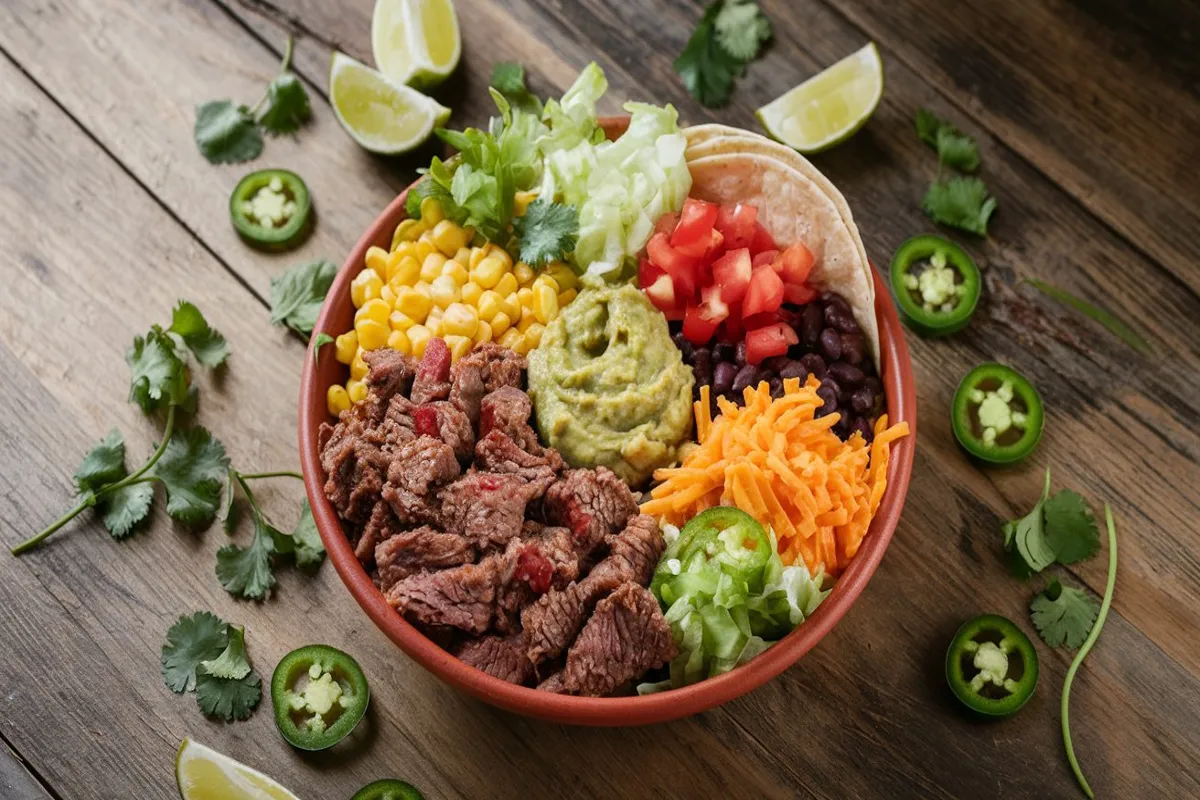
<point>545,280</point>
<point>477,254</point>
<point>448,237</point>
<point>374,309</point>
<point>471,292</point>
<point>399,321</point>
<point>412,303</point>
<point>444,291</point>
<point>512,306</point>
<point>337,399</point>
<point>431,212</point>
<point>456,271</point>
<point>523,273</point>
<point>435,313</point>
<point>434,326</point>
<point>463,256</point>
<point>565,298</point>
<point>510,338</point>
<point>422,287</point>
<point>398,340</point>
<point>418,337</point>
<point>403,269</point>
<point>483,333</point>
<point>347,345</point>
<point>358,367</point>
<point>388,295</point>
<point>563,275</point>
<point>499,324</point>
<point>545,303</point>
<point>407,231</point>
<point>404,249</point>
<point>459,347</point>
<point>520,346</point>
<point>372,335</point>
<point>533,336</point>
<point>423,247</point>
<point>496,251</point>
<point>377,260</point>
<point>527,318</point>
<point>489,304</point>
<point>364,287</point>
<point>521,201</point>
<point>431,267</point>
<point>357,390</point>
<point>525,297</point>
<point>507,285</point>
<point>488,272</point>
<point>460,319</point>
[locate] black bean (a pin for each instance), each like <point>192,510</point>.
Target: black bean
<point>724,352</point>
<point>841,428</point>
<point>862,401</point>
<point>746,376</point>
<point>775,363</point>
<point>831,299</point>
<point>864,427</point>
<point>776,385</point>
<point>793,369</point>
<point>813,365</point>
<point>852,348</point>
<point>674,327</point>
<point>702,366</point>
<point>874,384</point>
<point>811,322</point>
<point>739,354</point>
<point>847,375</point>
<point>829,396</point>
<point>790,316</point>
<point>831,344</point>
<point>723,375</point>
<point>685,347</point>
<point>838,316</point>
<point>833,385</point>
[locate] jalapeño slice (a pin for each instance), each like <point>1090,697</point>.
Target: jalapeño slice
<point>720,540</point>
<point>388,789</point>
<point>320,694</point>
<point>936,285</point>
<point>271,209</point>
<point>991,666</point>
<point>997,414</point>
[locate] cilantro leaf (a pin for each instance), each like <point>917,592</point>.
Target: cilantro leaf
<point>508,78</point>
<point>228,699</point>
<point>287,105</point>
<point>426,188</point>
<point>1063,615</point>
<point>319,341</point>
<point>1071,530</point>
<point>298,294</point>
<point>957,150</point>
<point>229,511</point>
<point>741,28</point>
<point>191,641</point>
<point>206,343</point>
<point>961,203</point>
<point>1025,537</point>
<point>231,663</point>
<point>707,68</point>
<point>547,231</point>
<point>226,134</point>
<point>246,571</point>
<point>928,125</point>
<point>122,509</point>
<point>191,468</point>
<point>159,378</point>
<point>309,547</point>
<point>105,463</point>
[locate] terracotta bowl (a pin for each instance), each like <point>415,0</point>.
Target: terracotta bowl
<point>337,316</point>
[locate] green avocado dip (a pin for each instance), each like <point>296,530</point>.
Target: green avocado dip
<point>609,387</point>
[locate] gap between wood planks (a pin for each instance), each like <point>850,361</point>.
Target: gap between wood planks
<point>31,771</point>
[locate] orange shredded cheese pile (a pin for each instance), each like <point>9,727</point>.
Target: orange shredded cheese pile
<point>778,462</point>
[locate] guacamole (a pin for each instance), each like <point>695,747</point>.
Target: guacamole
<point>609,387</point>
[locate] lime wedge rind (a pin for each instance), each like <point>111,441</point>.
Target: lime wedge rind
<point>383,116</point>
<point>416,42</point>
<point>202,773</point>
<point>828,108</point>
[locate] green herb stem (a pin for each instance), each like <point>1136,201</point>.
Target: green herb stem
<point>283,67</point>
<point>92,498</point>
<point>1087,646</point>
<point>283,473</point>
<point>1114,325</point>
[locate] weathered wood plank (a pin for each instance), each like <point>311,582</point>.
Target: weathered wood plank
<point>16,783</point>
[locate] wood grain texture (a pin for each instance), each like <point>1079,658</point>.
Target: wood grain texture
<point>99,103</point>
<point>16,783</point>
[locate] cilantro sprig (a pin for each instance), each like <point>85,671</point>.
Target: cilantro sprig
<point>508,78</point>
<point>207,655</point>
<point>960,202</point>
<point>298,294</point>
<point>1059,528</point>
<point>547,232</point>
<point>1063,614</point>
<point>729,35</point>
<point>228,134</point>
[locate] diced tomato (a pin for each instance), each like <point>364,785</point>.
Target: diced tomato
<point>703,246</point>
<point>795,263</point>
<point>771,340</point>
<point>761,320</point>
<point>732,273</point>
<point>662,292</point>
<point>765,258</point>
<point>713,304</point>
<point>799,295</point>
<point>697,327</point>
<point>666,223</point>
<point>695,223</point>
<point>736,223</point>
<point>762,240</point>
<point>732,330</point>
<point>647,273</point>
<point>681,268</point>
<point>765,292</point>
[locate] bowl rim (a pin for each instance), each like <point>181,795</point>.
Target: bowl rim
<point>900,392</point>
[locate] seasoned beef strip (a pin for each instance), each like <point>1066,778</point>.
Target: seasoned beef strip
<point>553,684</point>
<point>626,636</point>
<point>409,552</point>
<point>433,375</point>
<point>497,452</point>
<point>544,559</point>
<point>460,597</point>
<point>446,421</point>
<point>633,553</point>
<point>487,507</point>
<point>592,503</point>
<point>416,471</point>
<point>498,365</point>
<point>500,656</point>
<point>507,409</point>
<point>466,387</point>
<point>380,526</point>
<point>389,373</point>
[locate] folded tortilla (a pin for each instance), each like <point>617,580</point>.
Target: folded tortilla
<point>795,203</point>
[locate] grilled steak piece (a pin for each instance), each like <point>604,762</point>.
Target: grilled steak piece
<point>633,553</point>
<point>497,452</point>
<point>380,526</point>
<point>389,373</point>
<point>498,366</point>
<point>626,636</point>
<point>592,503</point>
<point>553,684</point>
<point>467,388</point>
<point>446,421</point>
<point>542,559</point>
<point>409,552</point>
<point>433,374</point>
<point>502,657</point>
<point>416,471</point>
<point>487,507</point>
<point>460,597</point>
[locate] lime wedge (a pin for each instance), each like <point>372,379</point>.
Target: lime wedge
<point>415,42</point>
<point>383,116</point>
<point>202,773</point>
<point>828,108</point>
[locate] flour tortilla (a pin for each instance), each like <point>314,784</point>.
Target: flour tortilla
<point>795,202</point>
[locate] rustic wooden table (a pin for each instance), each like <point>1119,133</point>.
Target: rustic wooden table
<point>1088,120</point>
